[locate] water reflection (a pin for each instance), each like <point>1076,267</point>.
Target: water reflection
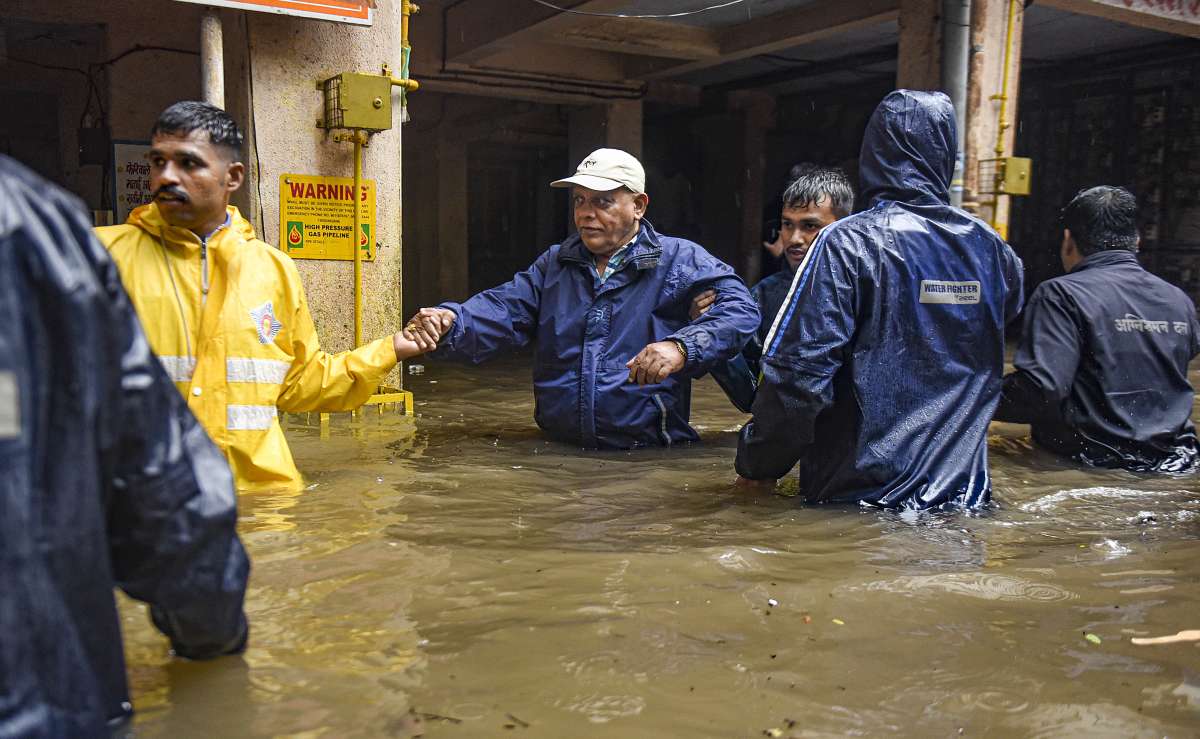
<point>466,569</point>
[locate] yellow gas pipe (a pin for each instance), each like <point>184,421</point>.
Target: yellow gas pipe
<point>356,236</point>
<point>1003,124</point>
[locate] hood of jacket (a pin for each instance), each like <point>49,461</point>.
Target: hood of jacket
<point>908,150</point>
<point>148,218</point>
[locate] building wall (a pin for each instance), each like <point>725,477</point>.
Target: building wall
<point>135,87</point>
<point>286,58</point>
<point>272,64</point>
<point>1133,122</point>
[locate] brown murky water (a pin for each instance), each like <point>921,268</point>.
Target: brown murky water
<point>501,585</point>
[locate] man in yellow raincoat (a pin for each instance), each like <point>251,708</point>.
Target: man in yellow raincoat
<point>225,312</point>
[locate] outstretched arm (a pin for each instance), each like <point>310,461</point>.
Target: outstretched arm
<point>488,323</point>
<point>1046,360</point>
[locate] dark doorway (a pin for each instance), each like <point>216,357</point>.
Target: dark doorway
<point>513,214</point>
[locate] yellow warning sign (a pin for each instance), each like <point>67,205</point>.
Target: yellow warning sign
<point>316,217</point>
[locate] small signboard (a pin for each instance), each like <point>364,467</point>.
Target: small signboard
<point>131,177</point>
<point>316,217</point>
<point>360,12</point>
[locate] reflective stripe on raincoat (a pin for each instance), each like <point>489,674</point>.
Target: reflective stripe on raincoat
<point>244,348</point>
<point>883,369</point>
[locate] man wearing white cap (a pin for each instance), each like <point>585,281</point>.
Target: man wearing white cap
<point>608,308</point>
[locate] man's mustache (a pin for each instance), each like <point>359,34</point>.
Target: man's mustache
<point>174,192</point>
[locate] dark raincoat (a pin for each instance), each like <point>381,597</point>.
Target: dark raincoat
<point>884,369</point>
<point>587,331</point>
<point>739,376</point>
<point>105,479</point>
<point>1102,367</point>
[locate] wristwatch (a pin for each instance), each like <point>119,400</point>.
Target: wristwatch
<point>682,348</point>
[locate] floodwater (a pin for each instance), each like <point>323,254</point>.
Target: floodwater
<point>459,576</point>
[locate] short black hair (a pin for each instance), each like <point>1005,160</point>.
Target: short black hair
<point>1102,218</point>
<point>812,184</point>
<point>191,115</point>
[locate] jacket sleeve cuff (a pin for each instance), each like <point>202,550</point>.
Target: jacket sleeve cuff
<point>380,355</point>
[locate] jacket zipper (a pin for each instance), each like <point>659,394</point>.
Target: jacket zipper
<point>203,273</point>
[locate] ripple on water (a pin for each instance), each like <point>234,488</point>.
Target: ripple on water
<point>600,709</point>
<point>974,585</point>
<point>1054,501</point>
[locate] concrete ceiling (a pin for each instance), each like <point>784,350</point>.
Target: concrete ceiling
<point>773,46</point>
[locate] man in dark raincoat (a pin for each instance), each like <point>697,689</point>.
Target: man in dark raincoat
<point>608,308</point>
<point>105,479</point>
<point>883,370</point>
<point>1101,373</point>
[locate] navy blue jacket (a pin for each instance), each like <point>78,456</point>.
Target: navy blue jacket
<point>884,369</point>
<point>106,479</point>
<point>739,376</point>
<point>1101,372</point>
<point>586,332</point>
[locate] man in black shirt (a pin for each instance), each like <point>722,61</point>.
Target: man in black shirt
<point>1101,372</point>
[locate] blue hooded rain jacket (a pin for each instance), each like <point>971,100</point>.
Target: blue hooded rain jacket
<point>884,367</point>
<point>106,479</point>
<point>586,332</point>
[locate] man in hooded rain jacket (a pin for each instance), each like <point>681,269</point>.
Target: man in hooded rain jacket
<point>608,307</point>
<point>884,368</point>
<point>225,312</point>
<point>106,479</point>
<point>1102,369</point>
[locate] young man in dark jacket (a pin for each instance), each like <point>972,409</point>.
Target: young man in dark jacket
<point>1101,373</point>
<point>608,307</point>
<point>105,479</point>
<point>815,198</point>
<point>883,369</point>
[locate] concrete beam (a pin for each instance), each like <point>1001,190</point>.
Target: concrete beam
<point>777,32</point>
<point>475,29</point>
<point>516,90</point>
<point>1181,17</point>
<point>643,37</point>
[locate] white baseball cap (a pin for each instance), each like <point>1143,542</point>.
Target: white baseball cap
<point>607,169</point>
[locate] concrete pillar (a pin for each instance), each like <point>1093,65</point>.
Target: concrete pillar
<point>453,253</point>
<point>586,132</point>
<point>956,65</point>
<point>287,57</point>
<point>758,118</point>
<point>212,58</point>
<point>623,126</point>
<point>918,64</point>
<point>989,31</point>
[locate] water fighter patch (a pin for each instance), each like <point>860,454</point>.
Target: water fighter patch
<point>953,293</point>
<point>265,323</point>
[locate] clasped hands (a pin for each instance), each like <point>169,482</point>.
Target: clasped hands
<point>653,364</point>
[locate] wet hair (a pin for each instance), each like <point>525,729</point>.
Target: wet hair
<point>190,115</point>
<point>1102,218</point>
<point>812,184</point>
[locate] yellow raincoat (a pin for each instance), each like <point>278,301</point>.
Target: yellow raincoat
<point>229,321</point>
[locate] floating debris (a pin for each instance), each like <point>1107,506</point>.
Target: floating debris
<point>1093,638</point>
<point>1183,636</point>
